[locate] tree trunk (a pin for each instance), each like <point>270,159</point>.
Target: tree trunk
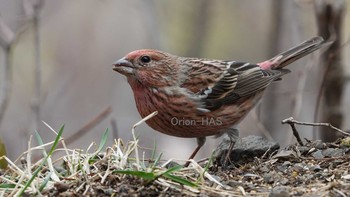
<point>329,19</point>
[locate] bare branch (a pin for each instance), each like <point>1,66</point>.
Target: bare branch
<point>8,39</point>
<point>89,125</point>
<point>5,89</point>
<point>114,128</point>
<point>92,123</point>
<point>7,36</point>
<point>37,85</point>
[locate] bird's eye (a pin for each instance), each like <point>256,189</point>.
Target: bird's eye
<point>145,59</point>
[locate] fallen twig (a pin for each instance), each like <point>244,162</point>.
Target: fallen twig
<point>295,131</point>
<point>292,123</point>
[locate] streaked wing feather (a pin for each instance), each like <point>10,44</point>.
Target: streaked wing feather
<point>240,80</point>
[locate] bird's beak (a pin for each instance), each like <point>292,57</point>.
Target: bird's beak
<point>123,66</point>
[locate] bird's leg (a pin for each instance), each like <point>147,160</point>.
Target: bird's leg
<point>233,135</point>
<point>200,143</point>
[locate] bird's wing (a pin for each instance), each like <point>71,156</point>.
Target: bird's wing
<point>238,80</point>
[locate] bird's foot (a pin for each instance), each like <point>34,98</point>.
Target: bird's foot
<point>223,152</point>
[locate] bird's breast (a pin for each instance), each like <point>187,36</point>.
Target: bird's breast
<point>178,113</point>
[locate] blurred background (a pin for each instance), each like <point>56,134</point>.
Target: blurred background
<point>56,64</point>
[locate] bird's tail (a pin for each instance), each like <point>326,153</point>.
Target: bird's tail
<point>295,53</point>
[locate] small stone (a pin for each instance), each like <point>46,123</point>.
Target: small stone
<point>303,150</point>
<point>268,178</point>
<point>315,168</point>
<point>284,181</point>
<point>61,187</point>
<point>171,164</point>
<point>265,169</point>
<point>67,194</point>
<point>282,168</point>
<point>318,144</point>
<point>287,163</point>
<point>318,154</point>
<point>298,167</point>
<point>280,191</point>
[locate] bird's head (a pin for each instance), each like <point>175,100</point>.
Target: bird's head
<point>150,67</point>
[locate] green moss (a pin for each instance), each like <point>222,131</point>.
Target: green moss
<point>345,142</point>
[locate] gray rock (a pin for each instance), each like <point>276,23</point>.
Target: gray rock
<point>245,149</point>
<point>333,152</point>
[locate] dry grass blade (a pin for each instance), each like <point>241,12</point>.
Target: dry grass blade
<point>84,171</point>
<point>134,137</point>
<point>36,172</point>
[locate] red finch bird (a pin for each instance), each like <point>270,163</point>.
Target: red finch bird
<point>196,97</point>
